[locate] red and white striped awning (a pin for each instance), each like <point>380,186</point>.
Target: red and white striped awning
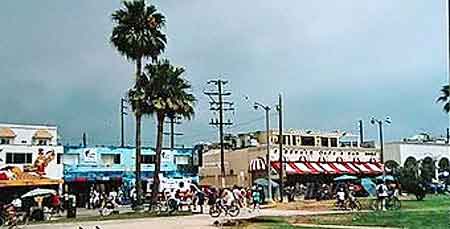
<point>330,167</point>
<point>257,164</point>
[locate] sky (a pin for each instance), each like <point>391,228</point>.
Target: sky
<point>335,62</point>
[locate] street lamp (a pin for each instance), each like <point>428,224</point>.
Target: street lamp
<point>374,121</point>
<point>268,166</point>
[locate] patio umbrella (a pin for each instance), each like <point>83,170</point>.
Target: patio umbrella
<point>39,192</point>
<point>264,182</point>
<point>345,177</point>
<point>385,178</point>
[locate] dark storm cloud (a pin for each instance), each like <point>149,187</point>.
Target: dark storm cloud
<point>334,61</point>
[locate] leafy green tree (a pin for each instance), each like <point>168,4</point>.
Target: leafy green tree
<point>427,170</point>
<point>168,94</point>
<point>137,35</point>
<point>444,98</point>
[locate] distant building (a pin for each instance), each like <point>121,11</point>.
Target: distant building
<point>20,145</point>
<point>419,147</point>
<point>107,168</point>
<point>304,153</point>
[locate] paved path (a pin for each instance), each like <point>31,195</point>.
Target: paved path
<point>202,221</point>
<point>339,226</point>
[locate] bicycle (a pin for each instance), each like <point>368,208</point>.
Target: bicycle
<point>19,220</point>
<point>392,203</point>
<point>218,208</point>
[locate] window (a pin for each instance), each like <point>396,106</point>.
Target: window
<point>181,160</point>
<point>285,139</point>
<point>5,141</point>
<point>19,158</point>
<point>324,141</point>
<point>333,142</point>
<point>231,172</point>
<point>307,141</point>
<point>58,158</point>
<point>148,159</point>
<point>294,140</point>
<point>42,142</point>
<point>116,158</point>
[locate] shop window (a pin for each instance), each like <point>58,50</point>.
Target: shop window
<point>116,159</point>
<point>5,141</point>
<point>19,158</point>
<point>333,142</point>
<point>307,141</point>
<point>148,159</point>
<point>324,142</point>
<point>294,140</point>
<point>42,142</point>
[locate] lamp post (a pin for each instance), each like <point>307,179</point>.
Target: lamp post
<point>268,166</point>
<point>380,122</point>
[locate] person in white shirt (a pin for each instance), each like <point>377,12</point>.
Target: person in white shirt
<point>340,197</point>
<point>382,194</point>
<point>227,197</point>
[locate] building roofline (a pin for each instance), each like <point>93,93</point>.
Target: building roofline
<point>417,143</point>
<point>25,125</point>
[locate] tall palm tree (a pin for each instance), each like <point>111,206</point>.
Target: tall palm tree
<point>137,35</point>
<point>168,94</point>
<point>445,98</point>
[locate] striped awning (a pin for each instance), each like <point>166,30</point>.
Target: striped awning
<point>331,167</point>
<point>257,164</point>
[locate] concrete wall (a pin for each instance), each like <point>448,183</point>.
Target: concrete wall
<point>25,133</point>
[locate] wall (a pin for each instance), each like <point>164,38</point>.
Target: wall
<point>26,133</point>
<point>53,169</point>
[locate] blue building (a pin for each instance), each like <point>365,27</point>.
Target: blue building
<point>107,168</point>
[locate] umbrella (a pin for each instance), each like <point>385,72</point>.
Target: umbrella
<point>345,177</point>
<point>385,178</point>
<point>39,192</point>
<point>264,182</point>
<point>369,186</point>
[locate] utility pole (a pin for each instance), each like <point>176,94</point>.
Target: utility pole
<point>174,120</point>
<point>361,133</point>
<point>280,142</point>
<point>220,106</point>
<point>84,140</point>
<point>268,165</point>
<point>122,114</point>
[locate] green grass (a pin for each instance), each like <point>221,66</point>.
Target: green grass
<point>433,212</point>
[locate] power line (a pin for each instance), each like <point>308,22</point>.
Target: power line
<point>217,103</point>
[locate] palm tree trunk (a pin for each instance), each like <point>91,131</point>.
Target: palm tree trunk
<point>138,139</point>
<point>159,140</point>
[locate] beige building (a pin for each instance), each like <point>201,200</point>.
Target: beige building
<point>304,152</point>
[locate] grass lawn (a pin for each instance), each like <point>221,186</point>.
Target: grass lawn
<point>433,212</point>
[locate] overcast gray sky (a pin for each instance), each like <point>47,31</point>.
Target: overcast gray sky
<point>334,61</point>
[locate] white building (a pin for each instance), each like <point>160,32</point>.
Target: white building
<point>401,151</point>
<point>20,144</point>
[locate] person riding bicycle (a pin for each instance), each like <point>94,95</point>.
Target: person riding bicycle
<point>238,196</point>
<point>11,211</point>
<point>227,197</point>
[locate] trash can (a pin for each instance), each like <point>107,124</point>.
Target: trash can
<point>71,207</point>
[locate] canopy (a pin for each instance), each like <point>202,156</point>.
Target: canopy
<point>345,177</point>
<point>39,192</point>
<point>257,164</point>
<point>369,186</point>
<point>306,167</point>
<point>264,182</point>
<point>385,178</point>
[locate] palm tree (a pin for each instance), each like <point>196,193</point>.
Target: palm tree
<point>444,98</point>
<point>137,35</point>
<point>168,94</point>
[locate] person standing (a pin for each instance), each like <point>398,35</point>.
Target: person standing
<point>382,194</point>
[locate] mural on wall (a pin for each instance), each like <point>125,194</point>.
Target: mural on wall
<point>35,171</point>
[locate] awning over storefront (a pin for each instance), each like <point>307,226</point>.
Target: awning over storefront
<point>330,167</point>
<point>257,164</point>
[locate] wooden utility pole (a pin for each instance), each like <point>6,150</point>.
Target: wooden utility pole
<point>173,120</point>
<point>280,142</point>
<point>220,107</point>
